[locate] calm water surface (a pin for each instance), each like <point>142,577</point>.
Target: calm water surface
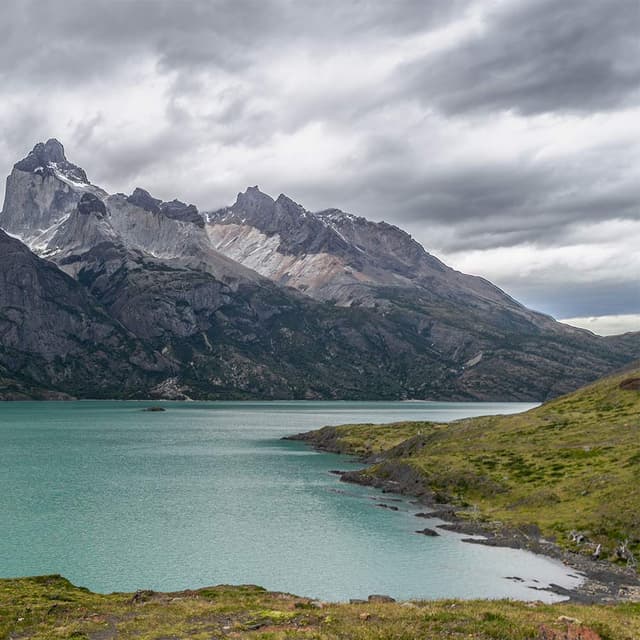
<point>206,493</point>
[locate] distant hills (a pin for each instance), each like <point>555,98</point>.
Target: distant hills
<point>114,295</point>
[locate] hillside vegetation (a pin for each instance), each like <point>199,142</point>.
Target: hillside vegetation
<point>569,466</point>
<point>51,608</point>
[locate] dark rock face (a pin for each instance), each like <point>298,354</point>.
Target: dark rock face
<point>630,384</point>
<point>155,310</point>
<point>483,343</point>
<point>91,204</point>
<point>300,231</point>
<point>144,200</point>
<point>54,335</point>
<point>379,599</point>
<point>51,152</point>
<point>255,341</point>
<point>41,155</point>
<point>175,209</point>
<point>181,211</point>
<point>382,505</point>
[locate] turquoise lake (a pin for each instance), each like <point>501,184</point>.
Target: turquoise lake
<point>117,499</point>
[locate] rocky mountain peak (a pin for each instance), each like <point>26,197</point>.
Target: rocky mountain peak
<point>175,209</point>
<point>253,200</point>
<point>160,281</point>
<point>47,158</point>
<point>291,206</point>
<point>42,154</point>
<point>143,199</point>
<point>51,151</point>
<point>183,212</point>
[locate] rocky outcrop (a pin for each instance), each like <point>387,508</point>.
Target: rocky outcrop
<point>144,200</point>
<point>174,209</point>
<point>374,315</point>
<point>41,191</point>
<point>183,212</point>
<point>54,336</point>
<point>49,157</point>
<point>174,233</point>
<point>487,339</point>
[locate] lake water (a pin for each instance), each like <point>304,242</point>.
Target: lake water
<point>117,499</point>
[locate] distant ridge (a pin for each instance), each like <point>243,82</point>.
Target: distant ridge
<point>264,299</point>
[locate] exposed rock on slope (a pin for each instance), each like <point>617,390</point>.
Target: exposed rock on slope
<point>375,316</point>
<point>332,255</point>
<point>42,189</point>
<point>488,339</point>
<point>231,332</point>
<point>53,335</point>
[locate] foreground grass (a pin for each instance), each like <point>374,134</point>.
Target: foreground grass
<point>50,607</point>
<point>572,464</point>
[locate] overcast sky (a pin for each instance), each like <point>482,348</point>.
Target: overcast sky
<point>503,134</point>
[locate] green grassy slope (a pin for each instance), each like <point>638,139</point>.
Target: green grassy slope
<point>50,608</point>
<point>572,464</point>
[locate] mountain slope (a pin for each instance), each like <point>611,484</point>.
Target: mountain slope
<point>373,316</point>
<point>230,332</point>
<point>290,244</point>
<point>247,341</point>
<point>54,336</point>
<point>487,338</point>
<point>570,465</point>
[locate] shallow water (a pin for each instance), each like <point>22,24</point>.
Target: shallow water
<point>117,499</point>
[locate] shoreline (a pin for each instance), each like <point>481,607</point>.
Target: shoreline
<point>603,583</point>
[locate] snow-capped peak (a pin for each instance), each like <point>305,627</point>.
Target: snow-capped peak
<point>48,158</point>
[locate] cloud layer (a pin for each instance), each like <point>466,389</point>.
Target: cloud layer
<point>503,134</point>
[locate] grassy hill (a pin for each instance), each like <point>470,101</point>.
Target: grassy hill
<point>51,608</point>
<point>570,465</point>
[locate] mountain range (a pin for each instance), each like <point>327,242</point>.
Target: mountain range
<point>129,296</point>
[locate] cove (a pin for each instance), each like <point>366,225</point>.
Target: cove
<point>118,499</point>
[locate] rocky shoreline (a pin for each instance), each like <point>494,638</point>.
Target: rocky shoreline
<point>604,582</point>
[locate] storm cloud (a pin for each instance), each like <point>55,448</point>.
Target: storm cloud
<point>503,134</point>
<point>538,57</point>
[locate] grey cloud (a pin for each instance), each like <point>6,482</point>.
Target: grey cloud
<point>73,41</point>
<point>494,204</point>
<point>535,56</point>
<point>538,56</point>
<point>123,163</point>
<point>490,204</point>
<point>43,42</point>
<point>70,40</point>
<point>85,130</point>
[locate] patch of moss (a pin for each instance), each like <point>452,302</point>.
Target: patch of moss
<point>571,464</point>
<point>245,612</point>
